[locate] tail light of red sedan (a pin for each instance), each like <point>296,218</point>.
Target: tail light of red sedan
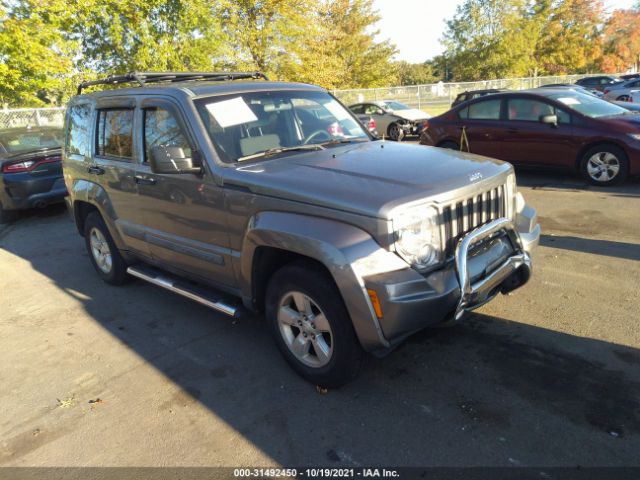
<point>27,165</point>
<point>372,124</point>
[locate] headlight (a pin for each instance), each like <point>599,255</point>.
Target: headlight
<point>635,136</point>
<point>417,236</point>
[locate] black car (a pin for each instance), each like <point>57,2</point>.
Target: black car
<point>471,94</point>
<point>30,169</point>
<point>598,83</point>
<point>630,76</point>
<point>574,87</point>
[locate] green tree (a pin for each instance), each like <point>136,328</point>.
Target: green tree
<point>159,35</point>
<point>35,57</point>
<point>488,39</point>
<point>415,73</point>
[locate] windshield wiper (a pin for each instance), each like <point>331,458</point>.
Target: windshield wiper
<point>337,141</point>
<point>275,151</point>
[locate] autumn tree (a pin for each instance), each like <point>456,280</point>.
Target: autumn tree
<point>621,39</point>
<point>415,73</point>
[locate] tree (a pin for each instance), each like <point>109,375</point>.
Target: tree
<point>567,35</point>
<point>415,73</point>
<point>486,40</point>
<point>160,35</point>
<point>621,39</point>
<point>34,55</point>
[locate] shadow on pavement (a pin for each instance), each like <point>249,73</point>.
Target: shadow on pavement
<point>629,251</point>
<point>489,391</point>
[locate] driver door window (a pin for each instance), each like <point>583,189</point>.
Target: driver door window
<point>162,129</point>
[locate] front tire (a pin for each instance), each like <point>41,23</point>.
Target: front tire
<point>605,165</point>
<point>393,132</point>
<point>449,145</point>
<point>104,254</point>
<point>311,326</point>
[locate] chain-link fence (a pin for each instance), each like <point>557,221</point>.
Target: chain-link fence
<point>437,97</point>
<point>29,117</point>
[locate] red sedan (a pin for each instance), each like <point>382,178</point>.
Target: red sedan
<point>547,129</point>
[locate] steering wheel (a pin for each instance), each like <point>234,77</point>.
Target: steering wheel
<point>315,134</point>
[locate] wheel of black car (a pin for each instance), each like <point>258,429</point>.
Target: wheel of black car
<point>104,254</point>
<point>624,98</point>
<point>449,145</point>
<point>7,216</point>
<point>604,165</point>
<point>311,325</point>
<point>393,131</point>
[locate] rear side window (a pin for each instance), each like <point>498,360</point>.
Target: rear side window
<point>486,110</point>
<point>115,133</point>
<point>78,139</point>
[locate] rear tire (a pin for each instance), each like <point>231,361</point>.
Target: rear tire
<point>303,302</point>
<point>624,98</point>
<point>393,132</point>
<point>104,254</point>
<point>604,165</point>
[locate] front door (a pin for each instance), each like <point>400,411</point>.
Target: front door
<point>529,142</point>
<point>183,214</point>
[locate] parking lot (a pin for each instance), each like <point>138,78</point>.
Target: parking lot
<point>549,375</point>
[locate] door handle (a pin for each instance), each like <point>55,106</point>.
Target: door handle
<point>95,170</point>
<point>140,180</point>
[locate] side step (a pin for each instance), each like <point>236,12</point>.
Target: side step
<point>181,287</point>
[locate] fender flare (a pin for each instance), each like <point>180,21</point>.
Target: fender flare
<point>95,195</point>
<point>349,254</point>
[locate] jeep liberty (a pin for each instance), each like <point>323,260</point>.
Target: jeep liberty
<point>249,195</point>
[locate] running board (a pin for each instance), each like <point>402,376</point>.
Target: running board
<point>167,282</point>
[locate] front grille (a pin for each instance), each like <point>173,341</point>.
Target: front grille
<point>463,216</point>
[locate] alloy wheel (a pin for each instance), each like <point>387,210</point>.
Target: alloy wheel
<point>100,250</point>
<point>305,329</point>
<point>603,167</point>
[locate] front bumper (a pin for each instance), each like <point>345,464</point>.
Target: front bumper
<point>494,258</point>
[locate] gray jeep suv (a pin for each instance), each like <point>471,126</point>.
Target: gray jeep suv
<point>244,194</point>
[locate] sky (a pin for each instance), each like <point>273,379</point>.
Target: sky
<point>416,26</point>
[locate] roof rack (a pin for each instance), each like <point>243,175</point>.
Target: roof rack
<point>143,78</point>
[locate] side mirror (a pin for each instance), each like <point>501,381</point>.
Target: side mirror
<point>549,120</point>
<point>171,160</point>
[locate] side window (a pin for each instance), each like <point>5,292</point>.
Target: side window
<point>115,133</point>
<point>563,116</point>
<point>78,137</point>
<point>527,110</point>
<point>371,109</point>
<point>357,108</point>
<point>464,113</point>
<point>487,110</point>
<point>162,129</point>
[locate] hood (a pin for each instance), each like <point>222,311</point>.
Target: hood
<point>411,114</point>
<point>367,178</point>
<point>625,123</point>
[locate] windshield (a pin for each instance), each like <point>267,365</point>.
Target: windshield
<point>26,140</point>
<point>396,106</point>
<point>267,123</point>
<point>589,105</point>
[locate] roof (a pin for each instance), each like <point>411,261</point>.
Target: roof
<point>201,88</point>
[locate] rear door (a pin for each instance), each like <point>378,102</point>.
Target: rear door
<point>113,166</point>
<point>183,214</point>
<point>483,127</point>
<point>530,142</point>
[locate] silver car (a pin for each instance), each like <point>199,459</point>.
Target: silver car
<point>393,119</point>
<point>622,91</point>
